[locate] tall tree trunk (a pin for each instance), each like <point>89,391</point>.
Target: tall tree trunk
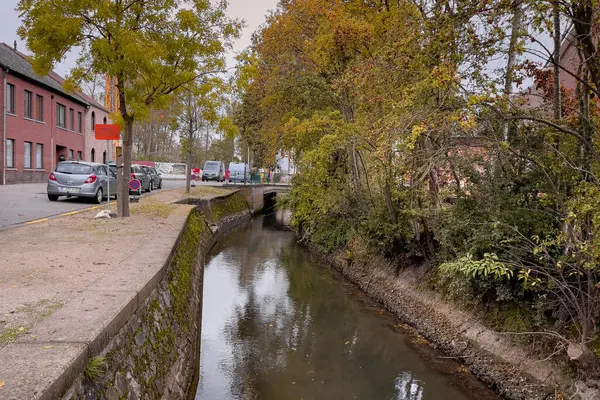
<point>123,198</point>
<point>190,139</point>
<point>583,21</point>
<point>556,57</point>
<point>123,173</point>
<point>512,60</point>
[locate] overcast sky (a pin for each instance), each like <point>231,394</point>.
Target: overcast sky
<point>251,11</point>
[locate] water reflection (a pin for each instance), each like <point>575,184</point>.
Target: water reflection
<point>408,387</point>
<point>278,325</point>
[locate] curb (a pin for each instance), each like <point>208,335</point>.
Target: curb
<point>69,213</point>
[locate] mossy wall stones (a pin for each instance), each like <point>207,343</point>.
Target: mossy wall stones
<point>156,353</point>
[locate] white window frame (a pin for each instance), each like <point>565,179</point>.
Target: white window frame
<point>39,156</point>
<point>27,153</point>
<point>10,153</point>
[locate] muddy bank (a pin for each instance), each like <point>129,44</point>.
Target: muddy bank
<point>511,369</point>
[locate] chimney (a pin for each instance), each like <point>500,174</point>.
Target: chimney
<point>15,45</point>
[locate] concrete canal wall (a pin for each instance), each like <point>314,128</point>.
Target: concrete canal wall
<point>156,352</point>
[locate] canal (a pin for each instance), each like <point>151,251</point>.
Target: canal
<point>277,323</point>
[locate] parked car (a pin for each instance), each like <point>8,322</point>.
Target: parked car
<point>138,172</point>
<point>156,178</point>
<point>213,171</point>
<point>239,172</point>
<point>81,179</point>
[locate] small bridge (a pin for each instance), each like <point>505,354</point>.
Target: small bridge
<point>260,196</point>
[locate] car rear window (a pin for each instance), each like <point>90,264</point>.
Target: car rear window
<point>75,169</point>
<point>211,165</point>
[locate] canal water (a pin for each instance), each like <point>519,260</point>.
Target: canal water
<point>277,323</point>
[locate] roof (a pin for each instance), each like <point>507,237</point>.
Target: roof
<point>18,64</point>
<point>93,102</point>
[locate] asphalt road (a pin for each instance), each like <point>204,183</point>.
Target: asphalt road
<point>28,202</point>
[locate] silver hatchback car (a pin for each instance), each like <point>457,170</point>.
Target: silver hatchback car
<point>81,179</point>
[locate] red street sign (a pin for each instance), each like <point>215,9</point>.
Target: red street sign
<point>107,132</point>
<point>134,184</point>
<point>196,171</point>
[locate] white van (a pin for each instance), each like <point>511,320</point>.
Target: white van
<point>236,172</point>
<point>213,171</point>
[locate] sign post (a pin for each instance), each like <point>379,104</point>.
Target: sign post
<point>107,132</point>
<point>194,176</point>
<point>134,186</point>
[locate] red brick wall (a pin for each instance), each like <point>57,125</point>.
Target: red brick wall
<point>46,132</point>
<point>1,119</point>
<point>99,146</point>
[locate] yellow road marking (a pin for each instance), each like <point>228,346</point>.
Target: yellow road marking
<point>70,213</point>
<point>36,221</point>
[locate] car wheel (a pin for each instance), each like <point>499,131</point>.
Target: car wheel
<point>99,196</point>
<point>160,185</point>
<point>52,197</point>
<point>151,186</point>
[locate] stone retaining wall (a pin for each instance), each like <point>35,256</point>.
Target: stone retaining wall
<point>156,354</point>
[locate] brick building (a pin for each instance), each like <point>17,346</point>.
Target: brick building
<point>95,150</point>
<point>40,122</point>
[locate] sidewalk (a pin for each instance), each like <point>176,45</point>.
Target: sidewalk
<point>66,281</point>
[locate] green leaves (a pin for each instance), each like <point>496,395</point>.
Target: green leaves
<point>153,48</point>
<point>489,265</point>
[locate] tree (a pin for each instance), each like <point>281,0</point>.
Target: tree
<point>152,47</point>
<point>412,138</point>
<point>201,111</point>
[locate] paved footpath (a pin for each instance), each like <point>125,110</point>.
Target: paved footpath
<point>69,283</point>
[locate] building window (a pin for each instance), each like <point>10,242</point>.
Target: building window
<point>11,99</point>
<point>10,153</point>
<point>28,104</point>
<point>39,110</point>
<point>39,156</point>
<point>79,155</point>
<point>79,121</point>
<point>104,121</point>
<point>104,158</point>
<point>72,119</point>
<point>70,154</point>
<point>93,155</point>
<point>60,115</point>
<point>27,155</point>
<point>93,121</point>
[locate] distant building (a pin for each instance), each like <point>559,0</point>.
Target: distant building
<point>41,123</point>
<point>570,63</point>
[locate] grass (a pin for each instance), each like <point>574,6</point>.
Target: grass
<point>9,334</point>
<point>95,368</point>
<point>153,209</point>
<point>42,309</point>
<point>207,191</point>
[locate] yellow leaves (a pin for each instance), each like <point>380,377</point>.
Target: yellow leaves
<point>417,130</point>
<point>443,75</point>
<point>227,126</point>
<point>467,122</point>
